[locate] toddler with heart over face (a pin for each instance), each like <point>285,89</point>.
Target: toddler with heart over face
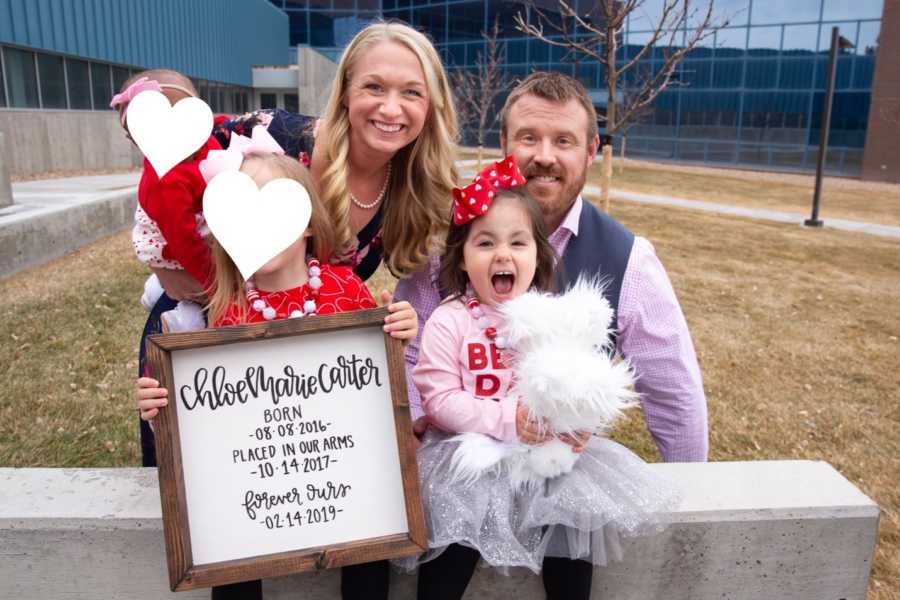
<point>169,229</point>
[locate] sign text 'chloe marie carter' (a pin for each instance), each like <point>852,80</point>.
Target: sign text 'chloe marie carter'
<point>286,446</point>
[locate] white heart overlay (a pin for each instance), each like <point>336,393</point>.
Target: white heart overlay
<point>255,225</point>
<point>168,134</point>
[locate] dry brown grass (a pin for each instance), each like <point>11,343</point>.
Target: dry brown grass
<point>796,330</point>
<point>841,198</point>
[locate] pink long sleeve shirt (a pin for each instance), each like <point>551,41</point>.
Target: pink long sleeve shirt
<point>653,336</point>
<point>463,383</point>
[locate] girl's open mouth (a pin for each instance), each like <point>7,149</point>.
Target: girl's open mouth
<point>503,281</point>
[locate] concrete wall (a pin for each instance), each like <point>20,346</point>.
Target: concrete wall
<point>5,188</point>
<point>40,141</point>
<point>315,77</point>
<point>881,161</point>
<point>791,530</point>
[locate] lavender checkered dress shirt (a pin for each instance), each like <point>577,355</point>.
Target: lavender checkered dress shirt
<point>653,336</point>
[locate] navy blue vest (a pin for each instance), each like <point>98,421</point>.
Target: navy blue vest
<point>601,249</point>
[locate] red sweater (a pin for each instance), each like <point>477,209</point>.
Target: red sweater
<point>173,202</point>
<point>341,291</point>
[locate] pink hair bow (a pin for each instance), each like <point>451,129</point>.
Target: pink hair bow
<point>220,161</point>
<point>141,85</point>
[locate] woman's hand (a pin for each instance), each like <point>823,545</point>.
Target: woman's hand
<point>530,430</point>
<point>403,322</point>
<point>179,285</point>
<point>150,397</point>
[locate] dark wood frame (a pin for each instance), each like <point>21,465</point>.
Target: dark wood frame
<point>183,574</point>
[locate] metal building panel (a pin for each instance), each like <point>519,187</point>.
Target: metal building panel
<point>217,40</point>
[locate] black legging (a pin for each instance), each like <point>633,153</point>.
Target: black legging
<point>368,581</point>
<point>447,576</point>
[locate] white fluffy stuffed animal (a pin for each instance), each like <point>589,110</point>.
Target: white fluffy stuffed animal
<point>563,372</point>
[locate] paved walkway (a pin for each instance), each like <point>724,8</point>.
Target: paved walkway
<point>467,170</point>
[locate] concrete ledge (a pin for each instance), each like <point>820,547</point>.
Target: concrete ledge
<point>53,217</point>
<point>792,530</point>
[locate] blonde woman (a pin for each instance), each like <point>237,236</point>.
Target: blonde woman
<point>382,155</point>
<point>382,152</point>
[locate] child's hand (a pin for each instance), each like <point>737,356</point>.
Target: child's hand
<point>403,322</point>
<point>150,397</point>
<point>577,440</point>
<point>179,285</point>
<point>529,430</point>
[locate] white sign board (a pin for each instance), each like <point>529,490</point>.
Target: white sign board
<point>286,445</point>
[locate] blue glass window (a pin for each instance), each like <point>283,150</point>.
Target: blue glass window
<point>297,27</point>
<point>398,15</point>
<point>465,21</point>
<point>538,52</point>
<point>764,41</point>
<point>843,73</point>
<point>835,10</point>
<point>761,74</point>
<point>800,39</point>
<point>456,54</point>
<point>779,11</point>
<point>846,31</point>
<point>867,42</point>
<point>79,84</point>
<point>731,42</point>
<point>517,51</point>
<point>864,72</point>
<point>697,73</point>
<point>505,11</point>
<point>796,73</point>
<point>21,78</point>
<point>53,80</point>
<point>101,85</point>
<point>432,20</point>
<point>587,74</point>
<point>728,73</point>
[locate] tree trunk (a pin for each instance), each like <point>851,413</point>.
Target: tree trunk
<point>622,156</point>
<point>606,176</point>
<point>480,156</point>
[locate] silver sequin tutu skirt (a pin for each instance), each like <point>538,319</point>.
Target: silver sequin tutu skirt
<point>609,494</point>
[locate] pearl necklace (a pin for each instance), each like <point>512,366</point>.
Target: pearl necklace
<point>374,203</point>
<point>309,304</point>
<point>481,319</point>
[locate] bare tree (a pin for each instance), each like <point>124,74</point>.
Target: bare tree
<point>476,90</point>
<point>596,35</point>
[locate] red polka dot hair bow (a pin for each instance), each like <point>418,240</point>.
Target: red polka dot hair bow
<point>476,198</point>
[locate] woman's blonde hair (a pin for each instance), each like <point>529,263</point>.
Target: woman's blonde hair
<point>228,285</point>
<point>417,208</point>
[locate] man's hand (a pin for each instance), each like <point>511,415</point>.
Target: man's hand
<point>180,285</point>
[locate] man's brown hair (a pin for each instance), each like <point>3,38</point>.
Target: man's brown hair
<point>555,87</point>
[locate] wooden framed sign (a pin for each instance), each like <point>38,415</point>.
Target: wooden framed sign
<point>285,447</point>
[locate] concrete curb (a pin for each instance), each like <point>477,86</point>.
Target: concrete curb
<point>33,234</point>
<point>791,530</point>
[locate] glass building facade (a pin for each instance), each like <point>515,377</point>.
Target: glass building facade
<point>752,95</point>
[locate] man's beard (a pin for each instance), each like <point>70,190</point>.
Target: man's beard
<point>552,208</point>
